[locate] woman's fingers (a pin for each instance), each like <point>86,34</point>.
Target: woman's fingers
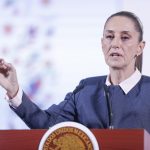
<point>5,67</point>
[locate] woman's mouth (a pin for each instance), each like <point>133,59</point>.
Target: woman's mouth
<point>115,54</point>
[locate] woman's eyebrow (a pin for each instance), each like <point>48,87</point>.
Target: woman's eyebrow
<point>122,32</point>
<point>125,32</point>
<point>112,31</point>
<point>109,31</point>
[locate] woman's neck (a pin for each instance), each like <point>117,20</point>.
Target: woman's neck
<point>118,75</point>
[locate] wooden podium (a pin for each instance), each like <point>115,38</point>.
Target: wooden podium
<point>117,139</point>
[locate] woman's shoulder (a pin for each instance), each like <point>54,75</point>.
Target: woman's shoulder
<point>145,81</point>
<point>145,78</point>
<point>94,80</point>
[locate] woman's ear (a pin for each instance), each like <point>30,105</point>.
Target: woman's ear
<point>140,48</point>
<point>102,43</point>
<point>101,40</point>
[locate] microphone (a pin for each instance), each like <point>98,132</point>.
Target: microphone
<point>109,107</point>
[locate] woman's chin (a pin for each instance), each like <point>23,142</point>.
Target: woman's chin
<point>115,66</point>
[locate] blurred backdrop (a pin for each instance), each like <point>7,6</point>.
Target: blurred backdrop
<point>55,43</point>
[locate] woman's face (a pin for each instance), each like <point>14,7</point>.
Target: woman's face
<point>120,43</point>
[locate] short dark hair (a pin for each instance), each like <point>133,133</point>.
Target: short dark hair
<point>138,27</point>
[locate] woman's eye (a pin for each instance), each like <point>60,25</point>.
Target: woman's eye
<point>109,37</point>
<point>125,38</point>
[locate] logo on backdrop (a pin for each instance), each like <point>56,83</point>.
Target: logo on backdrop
<point>68,136</point>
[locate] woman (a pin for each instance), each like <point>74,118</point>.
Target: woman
<point>119,100</point>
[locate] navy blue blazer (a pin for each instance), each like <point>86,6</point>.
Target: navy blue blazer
<point>87,104</point>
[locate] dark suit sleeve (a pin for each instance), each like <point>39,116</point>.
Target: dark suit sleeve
<point>34,117</point>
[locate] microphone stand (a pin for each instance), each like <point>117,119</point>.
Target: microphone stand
<point>109,107</point>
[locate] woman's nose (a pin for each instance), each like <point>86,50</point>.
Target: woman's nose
<point>116,42</point>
